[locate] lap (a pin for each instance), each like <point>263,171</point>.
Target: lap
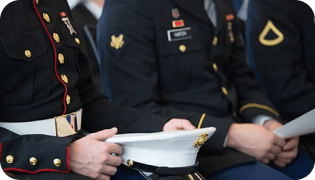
<point>299,168</point>
<point>257,171</point>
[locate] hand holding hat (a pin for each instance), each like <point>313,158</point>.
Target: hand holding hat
<point>178,124</point>
<point>90,156</point>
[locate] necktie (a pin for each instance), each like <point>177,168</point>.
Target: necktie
<point>210,8</point>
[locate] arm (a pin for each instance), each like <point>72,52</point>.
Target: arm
<point>285,68</point>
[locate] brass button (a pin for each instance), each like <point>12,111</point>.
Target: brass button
<point>61,58</point>
<point>46,17</point>
<point>215,41</point>
<point>68,99</point>
<point>28,53</point>
<point>77,40</point>
<point>129,163</point>
<point>64,78</point>
<point>225,92</point>
<point>37,1</point>
<point>182,48</point>
<point>215,67</point>
<point>33,161</point>
<point>56,37</point>
<point>9,159</point>
<point>57,162</point>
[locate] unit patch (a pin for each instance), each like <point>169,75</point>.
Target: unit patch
<point>179,34</point>
<point>271,28</point>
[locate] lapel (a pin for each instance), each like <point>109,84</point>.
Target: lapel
<point>219,6</point>
<point>195,7</point>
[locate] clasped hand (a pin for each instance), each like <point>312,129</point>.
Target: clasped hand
<point>259,141</point>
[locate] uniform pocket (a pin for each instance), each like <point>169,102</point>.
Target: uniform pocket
<point>179,58</point>
<point>25,76</point>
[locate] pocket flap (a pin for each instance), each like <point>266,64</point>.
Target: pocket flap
<point>26,46</point>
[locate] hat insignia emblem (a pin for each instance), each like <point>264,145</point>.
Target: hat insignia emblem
<point>201,140</point>
<point>117,42</point>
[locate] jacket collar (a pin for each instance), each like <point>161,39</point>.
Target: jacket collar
<point>195,7</point>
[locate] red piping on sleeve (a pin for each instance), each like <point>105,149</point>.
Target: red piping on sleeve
<point>68,157</point>
<point>35,172</point>
<point>55,57</point>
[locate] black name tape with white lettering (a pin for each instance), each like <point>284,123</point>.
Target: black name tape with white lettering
<point>179,34</point>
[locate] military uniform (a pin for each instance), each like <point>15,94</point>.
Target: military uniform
<point>44,75</point>
<point>281,42</point>
<point>166,57</point>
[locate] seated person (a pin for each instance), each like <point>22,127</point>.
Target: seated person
<point>184,59</point>
<point>45,81</point>
<point>280,37</point>
<point>85,14</point>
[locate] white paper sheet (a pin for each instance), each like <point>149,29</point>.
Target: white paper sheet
<point>302,125</point>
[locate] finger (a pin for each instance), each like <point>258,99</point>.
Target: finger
<point>279,163</point>
<point>104,134</point>
<point>275,150</point>
<point>284,160</point>
<point>109,170</point>
<point>270,156</point>
<point>278,141</point>
<point>265,161</point>
<point>188,126</point>
<point>288,154</point>
<point>112,148</point>
<point>103,177</point>
<point>114,161</point>
<point>291,144</point>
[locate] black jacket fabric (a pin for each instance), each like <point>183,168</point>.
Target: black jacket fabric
<point>285,68</point>
<point>181,75</point>
<point>31,87</point>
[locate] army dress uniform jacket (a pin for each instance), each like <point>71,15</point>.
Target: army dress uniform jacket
<point>165,57</point>
<point>281,42</point>
<point>43,75</point>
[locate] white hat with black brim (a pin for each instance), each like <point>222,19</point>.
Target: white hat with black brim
<point>167,153</point>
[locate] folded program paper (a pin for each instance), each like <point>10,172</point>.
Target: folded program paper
<point>302,125</point>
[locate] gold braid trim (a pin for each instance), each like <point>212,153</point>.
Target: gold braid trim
<point>201,120</point>
<point>254,105</point>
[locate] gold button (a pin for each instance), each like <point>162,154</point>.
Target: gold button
<point>37,1</point>
<point>232,39</point>
<point>182,48</point>
<point>64,78</point>
<point>215,67</point>
<point>57,162</point>
<point>61,58</point>
<point>77,40</point>
<point>33,161</point>
<point>28,53</point>
<point>56,37</point>
<point>46,17</point>
<point>129,163</point>
<point>225,92</point>
<point>68,99</point>
<point>9,159</point>
<point>215,41</point>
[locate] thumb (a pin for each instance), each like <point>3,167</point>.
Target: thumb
<point>278,141</point>
<point>104,134</point>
